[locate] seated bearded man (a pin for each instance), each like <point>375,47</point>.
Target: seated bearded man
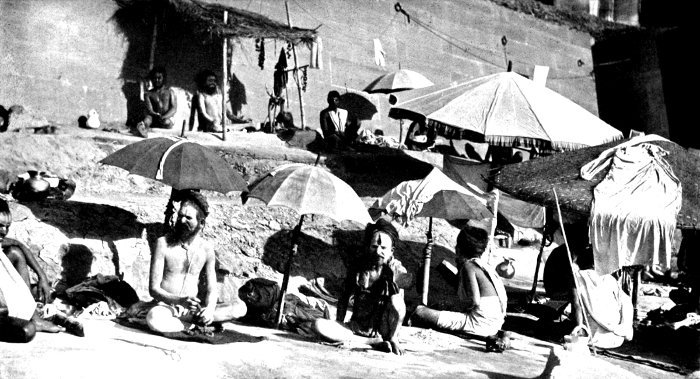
<point>376,282</point>
<point>176,264</point>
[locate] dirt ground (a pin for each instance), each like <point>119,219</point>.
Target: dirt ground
<point>241,235</point>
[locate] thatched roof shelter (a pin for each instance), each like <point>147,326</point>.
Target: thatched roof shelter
<point>533,180</point>
<point>206,19</point>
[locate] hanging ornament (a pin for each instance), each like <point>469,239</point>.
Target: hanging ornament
<point>261,54</point>
<point>303,79</point>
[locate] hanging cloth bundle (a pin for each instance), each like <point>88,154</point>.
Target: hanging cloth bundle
<point>634,210</point>
<point>280,76</point>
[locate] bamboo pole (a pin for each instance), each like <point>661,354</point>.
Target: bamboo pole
<point>296,70</point>
<point>224,79</point>
<point>151,58</point>
<point>154,39</point>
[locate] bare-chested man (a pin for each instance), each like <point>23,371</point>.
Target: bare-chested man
<point>161,103</point>
<point>16,261</point>
<point>483,297</point>
<point>377,284</point>
<point>209,99</point>
<point>176,264</point>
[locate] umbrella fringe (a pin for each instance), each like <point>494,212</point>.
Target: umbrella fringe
<point>453,132</point>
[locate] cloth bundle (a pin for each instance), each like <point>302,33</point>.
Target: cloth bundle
<point>634,210</point>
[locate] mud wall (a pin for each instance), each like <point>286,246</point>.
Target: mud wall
<point>60,58</point>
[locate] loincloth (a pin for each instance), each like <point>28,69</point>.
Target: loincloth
<point>486,320</point>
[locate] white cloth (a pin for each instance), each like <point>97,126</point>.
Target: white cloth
<point>316,60</point>
<point>339,118</point>
<point>14,293</point>
<point>634,210</point>
<point>379,54</point>
<point>608,309</point>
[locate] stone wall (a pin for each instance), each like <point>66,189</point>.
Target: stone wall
<point>60,58</point>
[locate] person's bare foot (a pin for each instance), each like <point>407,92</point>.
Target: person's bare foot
<point>46,326</point>
<point>388,347</point>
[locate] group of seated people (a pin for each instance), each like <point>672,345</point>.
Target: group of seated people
<point>161,104</point>
<point>376,281</point>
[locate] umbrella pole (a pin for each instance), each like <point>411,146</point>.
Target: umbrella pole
<point>533,291</point>
<point>169,210</point>
<point>287,268</point>
<point>426,264</point>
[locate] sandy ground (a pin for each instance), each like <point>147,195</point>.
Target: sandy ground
<point>110,350</point>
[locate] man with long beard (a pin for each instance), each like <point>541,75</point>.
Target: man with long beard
<point>209,102</point>
<point>176,264</point>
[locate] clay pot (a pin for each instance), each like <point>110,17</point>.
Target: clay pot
<point>36,183</point>
<point>506,269</point>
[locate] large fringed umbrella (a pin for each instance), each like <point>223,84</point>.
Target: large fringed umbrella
<point>505,109</point>
<point>306,189</point>
<point>438,196</point>
<point>179,163</point>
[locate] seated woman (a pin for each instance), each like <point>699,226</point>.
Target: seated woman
<point>376,282</point>
<point>481,292</point>
<point>597,301</point>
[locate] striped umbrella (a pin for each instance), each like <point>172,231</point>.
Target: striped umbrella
<point>306,189</point>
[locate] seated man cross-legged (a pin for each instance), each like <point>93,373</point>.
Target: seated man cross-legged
<point>176,264</point>
<point>480,290</point>
<point>376,282</point>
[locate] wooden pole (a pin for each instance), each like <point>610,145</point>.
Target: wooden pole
<point>492,233</point>
<point>533,291</point>
<point>151,57</point>
<point>154,39</point>
<point>296,234</point>
<point>426,264</point>
<point>296,70</point>
<point>224,79</point>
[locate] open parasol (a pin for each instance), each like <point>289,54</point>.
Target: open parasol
<point>179,163</point>
<point>505,109</point>
<point>397,81</point>
<point>436,195</point>
<point>306,189</point>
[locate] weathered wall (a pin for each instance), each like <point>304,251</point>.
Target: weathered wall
<point>61,57</point>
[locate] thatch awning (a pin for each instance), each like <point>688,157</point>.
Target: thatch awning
<point>207,19</point>
<point>533,180</point>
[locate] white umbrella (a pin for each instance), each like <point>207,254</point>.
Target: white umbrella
<point>505,109</point>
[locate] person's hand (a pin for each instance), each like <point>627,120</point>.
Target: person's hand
<point>44,289</point>
<point>206,315</point>
<point>191,303</point>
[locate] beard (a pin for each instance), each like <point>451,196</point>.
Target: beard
<point>210,89</point>
<point>182,232</point>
